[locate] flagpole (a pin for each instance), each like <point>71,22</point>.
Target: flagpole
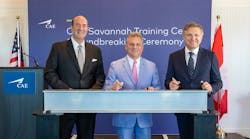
<point>219,132</point>
<point>218,95</point>
<point>18,41</point>
<point>218,19</point>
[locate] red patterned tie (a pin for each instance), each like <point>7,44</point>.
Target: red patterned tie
<point>134,72</point>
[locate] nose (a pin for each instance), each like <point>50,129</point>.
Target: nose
<point>193,37</point>
<point>81,27</point>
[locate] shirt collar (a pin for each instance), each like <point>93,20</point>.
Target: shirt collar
<point>75,44</point>
<point>130,60</point>
<point>195,51</point>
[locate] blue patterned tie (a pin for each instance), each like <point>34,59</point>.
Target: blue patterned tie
<point>191,64</point>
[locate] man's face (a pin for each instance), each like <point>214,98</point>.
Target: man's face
<point>193,37</point>
<point>134,47</point>
<point>79,28</point>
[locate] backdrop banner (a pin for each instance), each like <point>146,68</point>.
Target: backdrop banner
<point>110,21</point>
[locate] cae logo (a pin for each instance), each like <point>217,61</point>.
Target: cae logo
<point>20,83</point>
<point>47,24</point>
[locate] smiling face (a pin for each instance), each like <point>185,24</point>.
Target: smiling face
<point>192,36</point>
<point>79,28</point>
<point>134,46</point>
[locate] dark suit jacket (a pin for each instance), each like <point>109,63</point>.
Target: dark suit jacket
<point>63,72</point>
<point>206,69</point>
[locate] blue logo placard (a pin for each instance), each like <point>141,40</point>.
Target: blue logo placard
<point>19,82</point>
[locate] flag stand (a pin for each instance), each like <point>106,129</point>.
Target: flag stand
<point>18,40</point>
<point>16,59</point>
<point>219,132</point>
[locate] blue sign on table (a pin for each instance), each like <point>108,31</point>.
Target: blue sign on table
<point>19,82</point>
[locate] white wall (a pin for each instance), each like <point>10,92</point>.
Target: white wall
<point>235,21</point>
<point>9,9</point>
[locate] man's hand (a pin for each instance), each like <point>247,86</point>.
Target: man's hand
<point>117,85</point>
<point>150,88</point>
<point>206,86</point>
<point>174,84</point>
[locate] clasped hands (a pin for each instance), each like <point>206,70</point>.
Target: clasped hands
<point>118,85</point>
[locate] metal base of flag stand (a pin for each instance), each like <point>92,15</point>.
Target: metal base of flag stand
<point>220,134</point>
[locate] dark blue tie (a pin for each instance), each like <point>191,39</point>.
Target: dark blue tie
<point>191,64</point>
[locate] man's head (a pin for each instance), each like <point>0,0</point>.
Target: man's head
<point>134,45</point>
<point>79,28</point>
<point>192,35</point>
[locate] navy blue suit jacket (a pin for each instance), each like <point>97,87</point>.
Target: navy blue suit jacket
<point>206,69</point>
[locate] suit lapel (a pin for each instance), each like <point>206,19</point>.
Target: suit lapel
<point>198,63</point>
<point>128,69</point>
<point>142,71</point>
<point>72,54</point>
<point>87,57</point>
<point>183,62</point>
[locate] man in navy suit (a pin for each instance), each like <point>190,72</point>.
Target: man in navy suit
<point>76,64</point>
<point>199,72</point>
<point>145,77</point>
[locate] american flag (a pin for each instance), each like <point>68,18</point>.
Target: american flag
<point>16,59</point>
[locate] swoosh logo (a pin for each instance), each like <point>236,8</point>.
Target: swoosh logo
<point>16,81</point>
<point>45,22</point>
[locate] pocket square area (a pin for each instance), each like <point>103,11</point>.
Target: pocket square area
<point>93,60</point>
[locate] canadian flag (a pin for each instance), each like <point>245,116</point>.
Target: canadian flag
<point>218,45</point>
<point>220,98</point>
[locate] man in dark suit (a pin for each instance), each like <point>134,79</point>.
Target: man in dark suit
<point>76,64</point>
<point>199,72</point>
